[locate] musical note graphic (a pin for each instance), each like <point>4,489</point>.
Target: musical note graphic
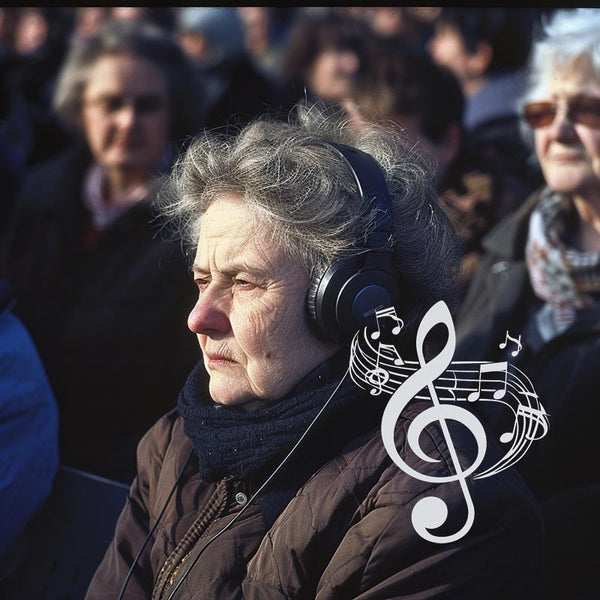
<point>379,368</point>
<point>389,312</point>
<point>503,344</point>
<point>377,376</point>
<point>431,512</point>
<point>496,367</point>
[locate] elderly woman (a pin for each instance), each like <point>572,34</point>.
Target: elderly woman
<point>222,507</point>
<point>540,282</point>
<point>102,292</point>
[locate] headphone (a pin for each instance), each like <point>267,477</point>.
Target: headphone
<point>345,298</point>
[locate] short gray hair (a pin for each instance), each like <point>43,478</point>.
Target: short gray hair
<point>307,197</point>
<point>136,38</point>
<point>566,38</point>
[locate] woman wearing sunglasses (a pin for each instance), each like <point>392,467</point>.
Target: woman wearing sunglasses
<point>540,284</point>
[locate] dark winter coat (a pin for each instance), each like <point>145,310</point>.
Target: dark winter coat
<point>109,322</point>
<point>563,469</point>
<point>346,533</point>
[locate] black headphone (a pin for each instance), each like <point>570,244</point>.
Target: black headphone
<point>345,298</point>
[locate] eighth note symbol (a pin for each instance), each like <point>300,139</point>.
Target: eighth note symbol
<point>391,313</point>
<point>503,344</point>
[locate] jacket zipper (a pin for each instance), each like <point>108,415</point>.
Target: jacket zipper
<point>215,508</point>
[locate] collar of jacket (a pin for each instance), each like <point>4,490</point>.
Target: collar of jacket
<point>507,240</point>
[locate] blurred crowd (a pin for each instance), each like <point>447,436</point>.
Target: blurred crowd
<point>97,103</point>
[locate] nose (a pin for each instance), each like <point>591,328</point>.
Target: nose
<point>349,62</point>
<point>210,315</point>
<point>562,126</point>
<point>126,117</point>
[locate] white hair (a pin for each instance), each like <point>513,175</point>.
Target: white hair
<point>570,40</point>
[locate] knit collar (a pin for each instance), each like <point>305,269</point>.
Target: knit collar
<point>232,442</point>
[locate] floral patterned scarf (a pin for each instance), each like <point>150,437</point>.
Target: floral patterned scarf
<point>564,278</point>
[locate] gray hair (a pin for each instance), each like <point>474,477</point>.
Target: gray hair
<point>568,37</point>
<point>136,38</point>
<point>307,198</point>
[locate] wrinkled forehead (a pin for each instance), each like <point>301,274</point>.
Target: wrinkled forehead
<point>231,230</point>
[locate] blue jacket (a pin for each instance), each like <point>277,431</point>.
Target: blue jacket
<point>28,426</point>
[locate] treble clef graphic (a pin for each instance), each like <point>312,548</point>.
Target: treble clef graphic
<point>431,512</point>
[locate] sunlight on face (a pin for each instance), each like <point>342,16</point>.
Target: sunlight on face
<point>250,318</point>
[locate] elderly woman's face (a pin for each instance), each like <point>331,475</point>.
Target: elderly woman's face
<point>250,316</point>
<point>125,112</point>
<point>568,151</point>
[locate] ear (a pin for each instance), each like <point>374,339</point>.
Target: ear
<point>479,61</point>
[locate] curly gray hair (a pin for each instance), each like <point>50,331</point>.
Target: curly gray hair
<point>141,39</point>
<point>307,198</point>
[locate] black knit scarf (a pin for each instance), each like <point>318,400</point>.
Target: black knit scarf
<point>232,442</point>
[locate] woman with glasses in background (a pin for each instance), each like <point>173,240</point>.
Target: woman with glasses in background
<point>540,283</point>
<point>102,291</point>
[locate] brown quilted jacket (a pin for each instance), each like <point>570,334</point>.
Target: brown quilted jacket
<point>346,534</point>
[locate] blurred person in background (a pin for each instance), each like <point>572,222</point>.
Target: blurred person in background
<point>161,16</point>
<point>487,48</point>
<point>28,72</point>
<point>539,281</point>
<point>88,19</point>
<point>235,91</point>
<point>326,54</point>
<point>426,100</point>
<point>402,25</point>
<point>264,35</point>
<point>101,290</point>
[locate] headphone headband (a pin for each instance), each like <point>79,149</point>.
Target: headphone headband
<point>346,297</point>
<point>372,189</point>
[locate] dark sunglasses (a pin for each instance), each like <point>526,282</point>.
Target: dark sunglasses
<point>584,110</point>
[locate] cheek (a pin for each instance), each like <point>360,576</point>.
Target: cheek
<point>156,132</point>
<point>268,330</point>
<point>539,143</point>
<point>592,145</point>
<point>97,134</point>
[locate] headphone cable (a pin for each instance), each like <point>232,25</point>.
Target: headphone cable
<point>260,489</point>
<point>151,532</point>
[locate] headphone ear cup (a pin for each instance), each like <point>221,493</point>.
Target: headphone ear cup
<point>311,307</point>
<point>347,296</point>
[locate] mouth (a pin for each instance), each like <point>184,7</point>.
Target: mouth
<point>565,157</point>
<point>216,361</point>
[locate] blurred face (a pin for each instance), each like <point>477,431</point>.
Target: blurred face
<point>448,49</point>
<point>250,316</point>
<point>569,152</point>
<point>333,73</point>
<point>125,113</point>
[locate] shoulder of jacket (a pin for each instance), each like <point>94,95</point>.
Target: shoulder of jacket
<point>39,185</point>
<point>155,442</point>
